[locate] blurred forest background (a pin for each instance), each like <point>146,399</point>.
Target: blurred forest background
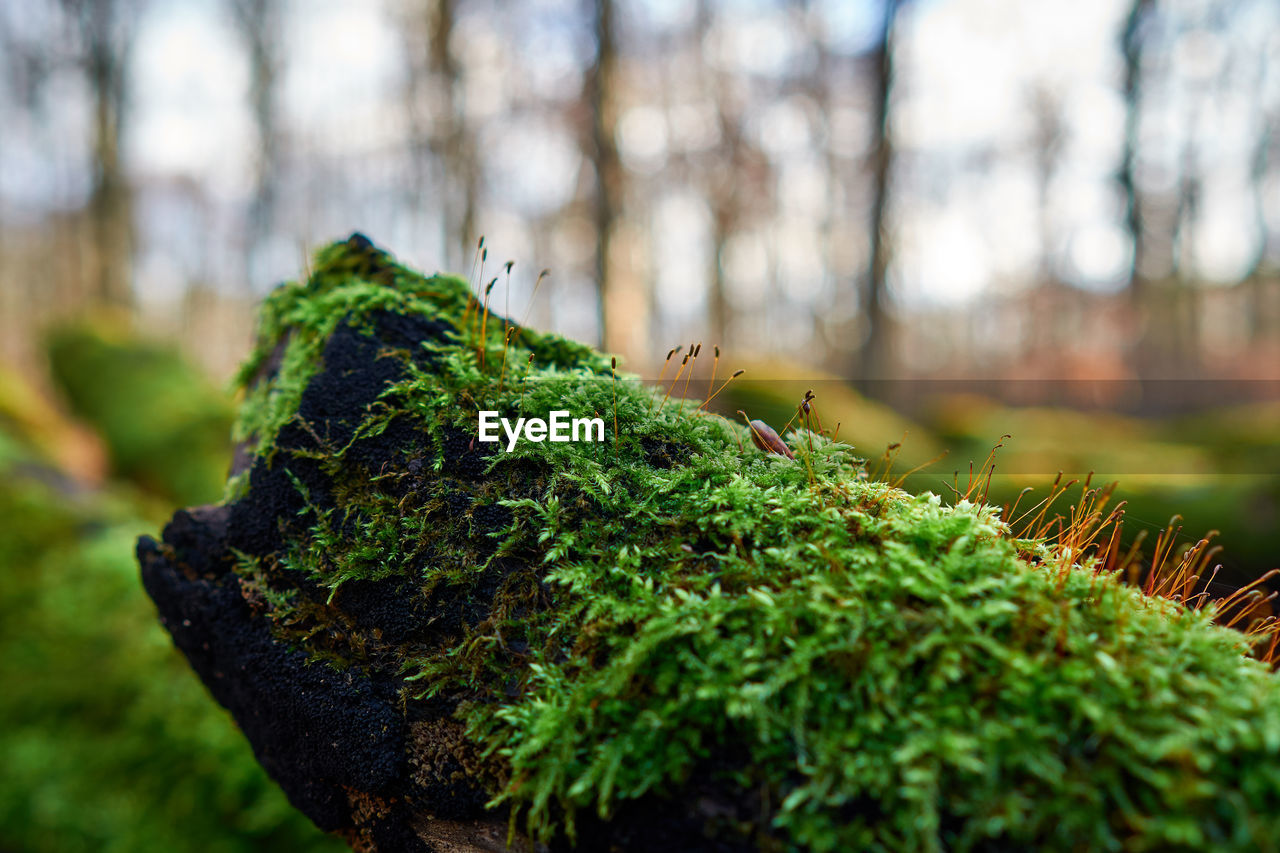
<point>952,219</point>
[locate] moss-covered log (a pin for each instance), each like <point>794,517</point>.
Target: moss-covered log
<point>669,640</point>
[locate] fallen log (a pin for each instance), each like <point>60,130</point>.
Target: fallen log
<point>669,639</point>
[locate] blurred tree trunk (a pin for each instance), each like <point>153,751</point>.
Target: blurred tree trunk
<point>819,85</point>
<point>454,147</point>
<point>105,30</point>
<point>260,25</point>
<point>724,222</point>
<point>1262,269</point>
<point>1131,49</point>
<point>1047,323</point>
<point>414,25</point>
<point>724,178</point>
<point>1049,134</point>
<point>1179,340</point>
<point>439,138</point>
<point>874,360</point>
<point>601,97</point>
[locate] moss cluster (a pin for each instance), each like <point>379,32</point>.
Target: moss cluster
<point>163,424</point>
<point>828,662</point>
<point>110,743</point>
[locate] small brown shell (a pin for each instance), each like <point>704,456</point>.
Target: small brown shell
<point>769,441</point>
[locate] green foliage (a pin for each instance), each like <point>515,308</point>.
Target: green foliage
<point>869,669</point>
<point>110,743</point>
<point>1218,470</point>
<point>164,427</point>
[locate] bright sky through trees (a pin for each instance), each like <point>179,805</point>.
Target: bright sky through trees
<point>979,83</point>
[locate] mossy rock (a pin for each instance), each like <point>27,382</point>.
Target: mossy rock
<point>669,640</point>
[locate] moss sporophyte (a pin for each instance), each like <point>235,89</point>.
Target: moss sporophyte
<point>788,652</point>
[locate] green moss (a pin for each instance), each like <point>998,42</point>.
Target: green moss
<point>1217,470</point>
<point>110,743</point>
<point>867,668</point>
<point>163,425</point>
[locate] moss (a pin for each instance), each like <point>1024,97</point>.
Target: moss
<point>1214,470</point>
<point>109,742</point>
<point>164,427</point>
<point>675,614</point>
